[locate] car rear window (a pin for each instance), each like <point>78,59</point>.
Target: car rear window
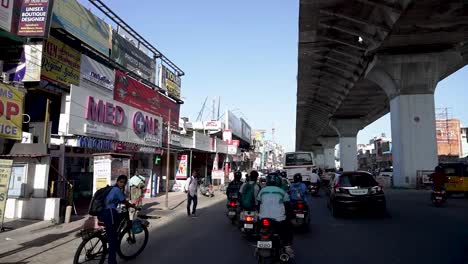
<point>357,180</point>
<point>453,169</point>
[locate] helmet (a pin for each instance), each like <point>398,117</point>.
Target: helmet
<point>297,177</point>
<point>273,180</point>
<point>439,169</point>
<point>283,174</point>
<point>237,175</point>
<point>253,175</point>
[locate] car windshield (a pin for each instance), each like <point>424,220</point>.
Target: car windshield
<point>299,159</point>
<point>357,180</point>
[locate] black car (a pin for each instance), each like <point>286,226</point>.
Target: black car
<point>353,191</point>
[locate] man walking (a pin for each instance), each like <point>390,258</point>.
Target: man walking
<point>191,188</point>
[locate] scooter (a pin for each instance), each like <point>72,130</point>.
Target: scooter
<point>438,197</point>
<point>300,217</point>
<point>248,223</point>
<point>206,189</point>
<point>269,247</point>
<point>314,188</point>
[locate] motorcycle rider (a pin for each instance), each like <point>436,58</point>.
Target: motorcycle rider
<point>256,189</point>
<point>298,190</point>
<point>438,178</point>
<point>234,186</point>
<point>275,204</point>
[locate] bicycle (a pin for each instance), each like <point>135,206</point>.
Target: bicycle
<point>130,232</point>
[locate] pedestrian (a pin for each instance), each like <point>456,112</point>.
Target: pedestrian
<point>191,188</point>
<point>110,215</point>
<point>137,186</point>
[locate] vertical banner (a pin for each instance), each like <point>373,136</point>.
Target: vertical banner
<point>5,172</point>
<point>6,14</point>
<point>34,18</point>
<point>181,173</point>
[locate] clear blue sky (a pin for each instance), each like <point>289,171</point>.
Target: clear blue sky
<point>245,52</point>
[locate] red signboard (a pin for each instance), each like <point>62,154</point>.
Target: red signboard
<point>133,93</point>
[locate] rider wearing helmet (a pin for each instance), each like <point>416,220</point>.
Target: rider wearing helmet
<point>298,190</point>
<point>244,190</point>
<point>438,177</point>
<point>275,204</point>
<point>234,186</point>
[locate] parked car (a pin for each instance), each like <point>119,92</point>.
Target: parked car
<point>385,177</point>
<point>354,191</point>
<point>328,186</point>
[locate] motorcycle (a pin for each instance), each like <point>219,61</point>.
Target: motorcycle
<point>233,205</point>
<point>269,247</point>
<point>248,223</point>
<point>300,216</point>
<point>206,189</point>
<point>438,196</point>
<point>314,188</point>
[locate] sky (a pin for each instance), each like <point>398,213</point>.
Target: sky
<point>245,52</point>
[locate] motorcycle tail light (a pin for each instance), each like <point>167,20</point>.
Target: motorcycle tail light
<point>265,237</point>
<point>249,219</point>
<point>300,205</point>
<point>265,222</point>
<point>232,204</point>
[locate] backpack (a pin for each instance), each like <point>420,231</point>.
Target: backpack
<point>98,203</point>
<point>295,192</point>
<point>248,196</point>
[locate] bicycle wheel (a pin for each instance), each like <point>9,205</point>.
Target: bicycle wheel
<point>91,250</point>
<point>131,245</point>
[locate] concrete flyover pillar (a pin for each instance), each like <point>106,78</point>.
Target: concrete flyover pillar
<point>347,130</point>
<point>328,144</point>
<point>319,157</point>
<point>410,82</point>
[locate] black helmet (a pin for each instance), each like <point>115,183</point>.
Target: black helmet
<point>283,174</point>
<point>439,169</point>
<point>237,175</point>
<point>253,175</point>
<point>297,177</point>
<point>273,180</point>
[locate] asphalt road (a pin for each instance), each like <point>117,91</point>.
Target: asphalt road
<point>413,232</point>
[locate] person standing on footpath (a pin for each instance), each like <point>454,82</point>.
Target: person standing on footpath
<point>191,189</point>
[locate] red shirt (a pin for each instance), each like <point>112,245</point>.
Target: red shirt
<point>438,178</point>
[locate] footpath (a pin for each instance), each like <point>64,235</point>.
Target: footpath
<point>45,242</point>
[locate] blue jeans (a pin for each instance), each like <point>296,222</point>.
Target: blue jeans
<point>189,202</point>
<point>110,217</point>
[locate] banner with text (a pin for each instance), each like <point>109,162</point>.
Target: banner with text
<point>169,81</point>
<point>5,172</point>
<point>60,62</point>
<point>6,14</point>
<point>34,18</point>
<point>11,117</point>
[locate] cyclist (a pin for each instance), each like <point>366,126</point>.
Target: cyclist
<point>110,216</point>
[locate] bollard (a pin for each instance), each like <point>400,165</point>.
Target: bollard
<point>68,212</point>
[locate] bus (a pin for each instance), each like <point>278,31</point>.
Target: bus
<point>299,162</point>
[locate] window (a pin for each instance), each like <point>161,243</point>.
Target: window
<point>298,159</point>
<point>357,180</point>
<point>17,180</point>
<point>453,169</point>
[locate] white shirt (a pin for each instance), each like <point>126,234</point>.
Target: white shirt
<point>191,186</point>
<point>272,200</point>
<point>314,178</point>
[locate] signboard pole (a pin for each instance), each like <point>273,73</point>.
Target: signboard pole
<point>46,122</point>
<point>168,157</point>
<point>5,172</point>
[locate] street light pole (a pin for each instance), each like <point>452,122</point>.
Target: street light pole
<point>168,157</point>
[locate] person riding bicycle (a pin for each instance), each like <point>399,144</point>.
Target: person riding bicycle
<point>275,204</point>
<point>234,186</point>
<point>249,192</point>
<point>438,178</point>
<point>110,215</point>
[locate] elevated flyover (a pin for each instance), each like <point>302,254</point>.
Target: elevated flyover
<point>360,59</point>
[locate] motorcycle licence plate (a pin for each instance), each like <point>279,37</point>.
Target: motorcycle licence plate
<point>300,215</point>
<point>248,226</point>
<point>264,244</point>
<point>438,198</point>
<point>231,213</point>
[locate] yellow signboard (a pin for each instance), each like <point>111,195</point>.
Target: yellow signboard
<point>11,112</point>
<point>5,172</point>
<point>101,183</point>
<point>60,62</point>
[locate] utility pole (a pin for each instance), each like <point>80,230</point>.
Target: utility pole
<point>46,121</point>
<point>168,157</point>
<point>219,104</point>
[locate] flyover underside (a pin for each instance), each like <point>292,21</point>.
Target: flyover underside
<point>340,41</point>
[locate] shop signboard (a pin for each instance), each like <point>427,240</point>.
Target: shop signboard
<point>246,131</point>
<point>28,67</point>
<point>202,142</point>
<point>11,112</point>
<point>6,14</point>
<point>169,81</point>
<point>96,73</point>
<point>182,166</point>
<point>102,172</point>
<point>232,149</point>
<point>233,123</point>
<point>212,125</point>
<point>133,93</point>
<point>83,24</point>
<point>130,57</point>
<point>93,113</point>
<point>5,172</point>
<point>227,136</point>
<point>34,18</point>
<point>60,62</point>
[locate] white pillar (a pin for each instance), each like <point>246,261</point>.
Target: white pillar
<point>328,144</point>
<point>414,144</point>
<point>348,153</point>
<point>319,158</point>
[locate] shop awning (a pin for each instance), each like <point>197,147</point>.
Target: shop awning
<point>34,155</point>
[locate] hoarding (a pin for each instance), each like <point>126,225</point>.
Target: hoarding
<point>6,14</point>
<point>11,112</point>
<point>96,73</point>
<point>448,137</point>
<point>83,24</point>
<point>169,81</point>
<point>28,67</point>
<point>233,123</point>
<point>246,131</point>
<point>133,93</point>
<point>34,18</point>
<point>60,62</point>
<point>135,60</point>
<point>182,166</point>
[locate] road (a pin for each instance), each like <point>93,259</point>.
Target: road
<point>413,232</point>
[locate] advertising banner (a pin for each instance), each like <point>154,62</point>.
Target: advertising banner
<point>83,24</point>
<point>96,73</point>
<point>34,18</point>
<point>448,137</point>
<point>246,131</point>
<point>129,56</point>
<point>227,136</point>
<point>234,124</point>
<point>6,14</point>
<point>212,125</point>
<point>182,165</point>
<point>133,93</point>
<point>5,172</point>
<point>28,67</point>
<point>11,114</point>
<point>169,81</point>
<point>60,62</point>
